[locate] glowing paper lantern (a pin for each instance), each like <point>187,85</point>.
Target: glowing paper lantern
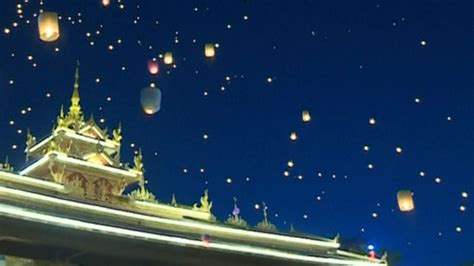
<point>153,67</point>
<point>150,99</point>
<point>168,58</point>
<point>293,136</point>
<point>209,50</point>
<point>306,116</point>
<point>405,200</point>
<point>48,26</point>
<point>105,2</point>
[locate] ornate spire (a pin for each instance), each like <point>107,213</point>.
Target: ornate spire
<point>75,93</point>
<point>75,112</point>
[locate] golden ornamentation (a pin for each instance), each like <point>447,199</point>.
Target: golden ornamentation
<point>76,187</point>
<point>103,189</point>
<point>57,174</point>
<point>60,118</point>
<point>74,116</point>
<point>30,140</point>
<point>117,133</point>
<point>143,194</point>
<point>265,224</point>
<point>336,238</point>
<point>6,166</point>
<point>52,146</point>
<point>173,201</point>
<point>205,205</point>
<point>138,162</point>
<point>384,257</point>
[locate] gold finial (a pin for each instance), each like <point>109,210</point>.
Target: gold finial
<point>173,201</point>
<point>292,229</point>
<point>30,140</point>
<point>60,118</point>
<point>75,109</point>
<point>138,161</point>
<point>117,133</point>
<point>6,166</point>
<point>205,205</point>
<point>336,238</point>
<point>75,93</point>
<point>265,224</point>
<point>76,75</point>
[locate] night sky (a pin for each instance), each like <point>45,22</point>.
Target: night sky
<point>225,122</point>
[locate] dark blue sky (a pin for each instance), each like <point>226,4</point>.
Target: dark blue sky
<point>344,61</point>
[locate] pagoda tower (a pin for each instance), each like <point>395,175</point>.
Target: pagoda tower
<point>82,156</point>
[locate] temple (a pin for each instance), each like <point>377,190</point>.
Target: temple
<point>68,206</point>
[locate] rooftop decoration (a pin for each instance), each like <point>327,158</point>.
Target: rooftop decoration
<point>138,161</point>
<point>173,201</point>
<point>234,218</point>
<point>117,133</point>
<point>6,166</point>
<point>265,224</point>
<point>142,194</point>
<point>204,205</point>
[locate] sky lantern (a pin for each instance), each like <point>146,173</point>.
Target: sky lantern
<point>153,67</point>
<point>48,26</point>
<point>305,116</point>
<point>405,200</point>
<point>293,136</point>
<point>105,2</point>
<point>209,50</point>
<point>150,99</point>
<point>168,58</point>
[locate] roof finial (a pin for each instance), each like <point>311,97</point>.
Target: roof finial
<point>75,93</point>
<point>75,109</point>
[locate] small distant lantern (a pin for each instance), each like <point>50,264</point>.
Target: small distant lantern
<point>105,2</point>
<point>209,50</point>
<point>405,200</point>
<point>293,136</point>
<point>305,116</point>
<point>168,58</point>
<point>153,67</point>
<point>150,99</point>
<point>48,26</point>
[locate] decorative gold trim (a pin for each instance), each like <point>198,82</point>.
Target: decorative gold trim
<point>143,194</point>
<point>204,205</point>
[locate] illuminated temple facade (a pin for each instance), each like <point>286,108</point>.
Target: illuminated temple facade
<point>67,206</point>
